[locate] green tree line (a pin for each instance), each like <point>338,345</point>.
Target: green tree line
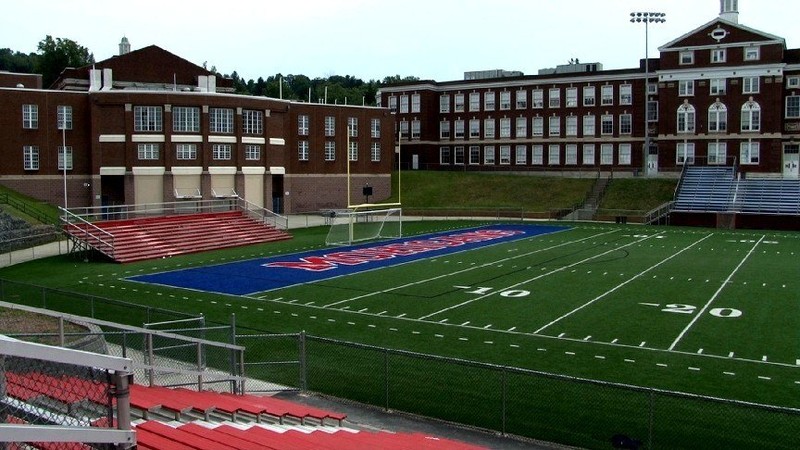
<point>54,55</point>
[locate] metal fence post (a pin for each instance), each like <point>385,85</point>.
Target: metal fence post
<point>61,340</point>
<point>150,362</point>
<point>303,361</point>
<point>504,397</point>
<point>651,419</point>
<point>386,378</point>
<point>44,298</point>
<point>200,366</point>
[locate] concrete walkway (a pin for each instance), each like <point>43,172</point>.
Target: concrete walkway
<point>61,247</point>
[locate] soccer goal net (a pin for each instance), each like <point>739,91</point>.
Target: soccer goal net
<point>352,226</point>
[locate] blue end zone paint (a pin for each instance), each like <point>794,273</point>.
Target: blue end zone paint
<point>264,274</point>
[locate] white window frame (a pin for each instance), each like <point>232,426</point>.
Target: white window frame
<point>352,127</point>
<point>445,156</point>
<point>221,152</point>
<point>607,125</point>
<point>571,126</point>
<point>589,125</point>
<point>330,150</point>
<point>751,85</point>
<point>474,128</point>
<point>554,126</point>
<point>624,152</point>
<point>64,117</point>
<point>302,125</point>
<point>375,152</point>
<point>220,120</point>
<point>302,151</point>
<point>554,97</point>
<point>537,98</point>
<point>64,152</point>
<point>148,151</point>
<point>606,154</point>
<point>444,129</point>
<point>147,119</point>
<point>537,126</point>
<point>474,101</point>
<point>404,104</point>
<point>521,99</point>
<point>752,53</point>
<point>489,129</point>
<point>521,155</point>
<point>30,118</point>
<point>793,82</point>
<point>252,152</point>
<point>30,157</point>
<point>719,55</point>
<point>717,86</point>
<point>717,118</point>
<point>607,95</point>
<point>458,105</point>
<point>684,153</point>
<point>474,155</point>
<point>521,129</point>
<point>459,129</point>
<point>252,122</point>
<point>589,96</point>
<point>505,155</point>
<point>554,155</point>
<point>444,103</point>
<point>588,158</point>
<point>416,103</point>
<point>572,97</point>
<point>185,119</point>
<point>505,100</point>
<point>352,151</point>
<point>685,88</point>
<point>505,128</point>
<point>488,155</point>
<point>330,126</point>
<point>416,129</point>
<point>571,155</point>
<point>792,110</point>
<point>458,155</point>
<point>375,128</point>
<point>185,152</point>
<point>687,119</point>
<point>717,153</point>
<point>686,57</point>
<point>749,153</point>
<point>625,94</point>
<point>489,101</point>
<point>537,155</point>
<point>625,124</point>
<point>751,117</point>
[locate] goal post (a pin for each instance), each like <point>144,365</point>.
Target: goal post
<point>371,223</point>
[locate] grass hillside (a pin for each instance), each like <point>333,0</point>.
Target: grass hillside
<point>432,189</point>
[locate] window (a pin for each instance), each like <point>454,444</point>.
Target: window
<point>404,130</point>
<point>474,101</point>
<point>588,154</point>
<point>626,94</point>
<point>571,155</point>
<point>505,128</point>
<point>444,103</point>
<point>718,55</point>
<point>589,95</point>
<point>606,124</point>
<point>686,118</point>
<point>607,94</point>
<point>752,53</point>
<point>537,126</point>
<point>716,86</point>
<point>686,57</point>
<point>686,88</point>
<point>589,124</point>
<point>64,157</point>
<point>444,155</point>
<point>30,119</point>
<point>185,119</point>
<point>505,100</point>
<point>403,104</point>
<point>522,99</point>
<point>352,127</point>
<point>625,124</point>
<point>652,111</point>
<point>330,151</point>
<point>489,101</point>
<point>415,103</point>
<point>624,155</point>
<point>488,155</point>
<point>252,122</point>
<point>537,155</point>
<point>488,128</point>
<point>64,117</point>
<point>606,154</point>
<point>221,152</point>
<point>522,128</point>
<point>572,126</point>
<point>792,82</point>
<point>717,153</point>
<point>652,88</point>
<point>458,156</point>
<point>793,106</point>
<point>444,129</point>
<point>352,151</point>
<point>302,125</point>
<point>416,129</point>
<point>459,103</point>
<point>751,116</point>
<point>459,132</point>
<point>146,118</point>
<point>252,152</point>
<point>302,150</point>
<point>717,118</point>
<point>147,151</point>
<point>221,120</point>
<point>375,153</point>
<point>749,153</point>
<point>750,85</point>
<point>505,155</point>
<point>330,126</point>
<point>554,96</point>
<point>521,155</point>
<point>30,157</point>
<point>553,154</point>
<point>375,128</point>
<point>684,153</point>
<point>474,155</point>
<point>186,152</point>
<point>554,128</point>
<point>537,98</point>
<point>474,128</point>
<point>572,97</point>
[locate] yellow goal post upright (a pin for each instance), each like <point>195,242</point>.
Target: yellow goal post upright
<point>365,221</point>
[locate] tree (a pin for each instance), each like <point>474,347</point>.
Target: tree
<point>16,61</point>
<point>57,54</point>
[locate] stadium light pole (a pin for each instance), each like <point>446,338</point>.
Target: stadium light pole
<point>647,18</point>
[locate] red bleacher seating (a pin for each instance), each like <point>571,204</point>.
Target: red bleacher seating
<point>165,236</point>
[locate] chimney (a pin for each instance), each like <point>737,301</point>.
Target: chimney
<point>729,10</point>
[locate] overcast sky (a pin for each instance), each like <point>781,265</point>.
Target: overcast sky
<point>430,39</point>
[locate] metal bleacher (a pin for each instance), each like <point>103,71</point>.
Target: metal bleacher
<point>718,189</point>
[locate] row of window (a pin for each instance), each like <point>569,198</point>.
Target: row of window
<point>329,151</point>
<point>30,117</point>
<point>304,124</point>
<point>720,55</point>
<point>718,118</point>
<point>719,86</point>
<point>457,130</point>
<point>717,153</point>
<point>488,155</point>
<point>30,157</point>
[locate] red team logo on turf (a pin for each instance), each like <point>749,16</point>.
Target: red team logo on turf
<point>365,255</point>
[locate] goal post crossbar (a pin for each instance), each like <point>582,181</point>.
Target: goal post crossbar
<point>353,226</point>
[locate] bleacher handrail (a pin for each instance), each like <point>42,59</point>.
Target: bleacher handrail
<point>262,214</point>
<point>87,231</point>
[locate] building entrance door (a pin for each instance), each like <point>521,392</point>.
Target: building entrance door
<point>652,161</point>
<point>791,161</point>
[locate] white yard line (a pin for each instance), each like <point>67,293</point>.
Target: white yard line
<point>624,283</point>
<point>515,285</point>
<point>482,266</point>
<point>714,297</point>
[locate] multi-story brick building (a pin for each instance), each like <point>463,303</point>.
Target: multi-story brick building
<point>149,127</point>
<point>720,94</point>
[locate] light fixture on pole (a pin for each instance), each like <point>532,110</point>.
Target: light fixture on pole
<point>647,18</point>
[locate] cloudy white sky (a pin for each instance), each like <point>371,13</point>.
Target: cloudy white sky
<point>371,39</point>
